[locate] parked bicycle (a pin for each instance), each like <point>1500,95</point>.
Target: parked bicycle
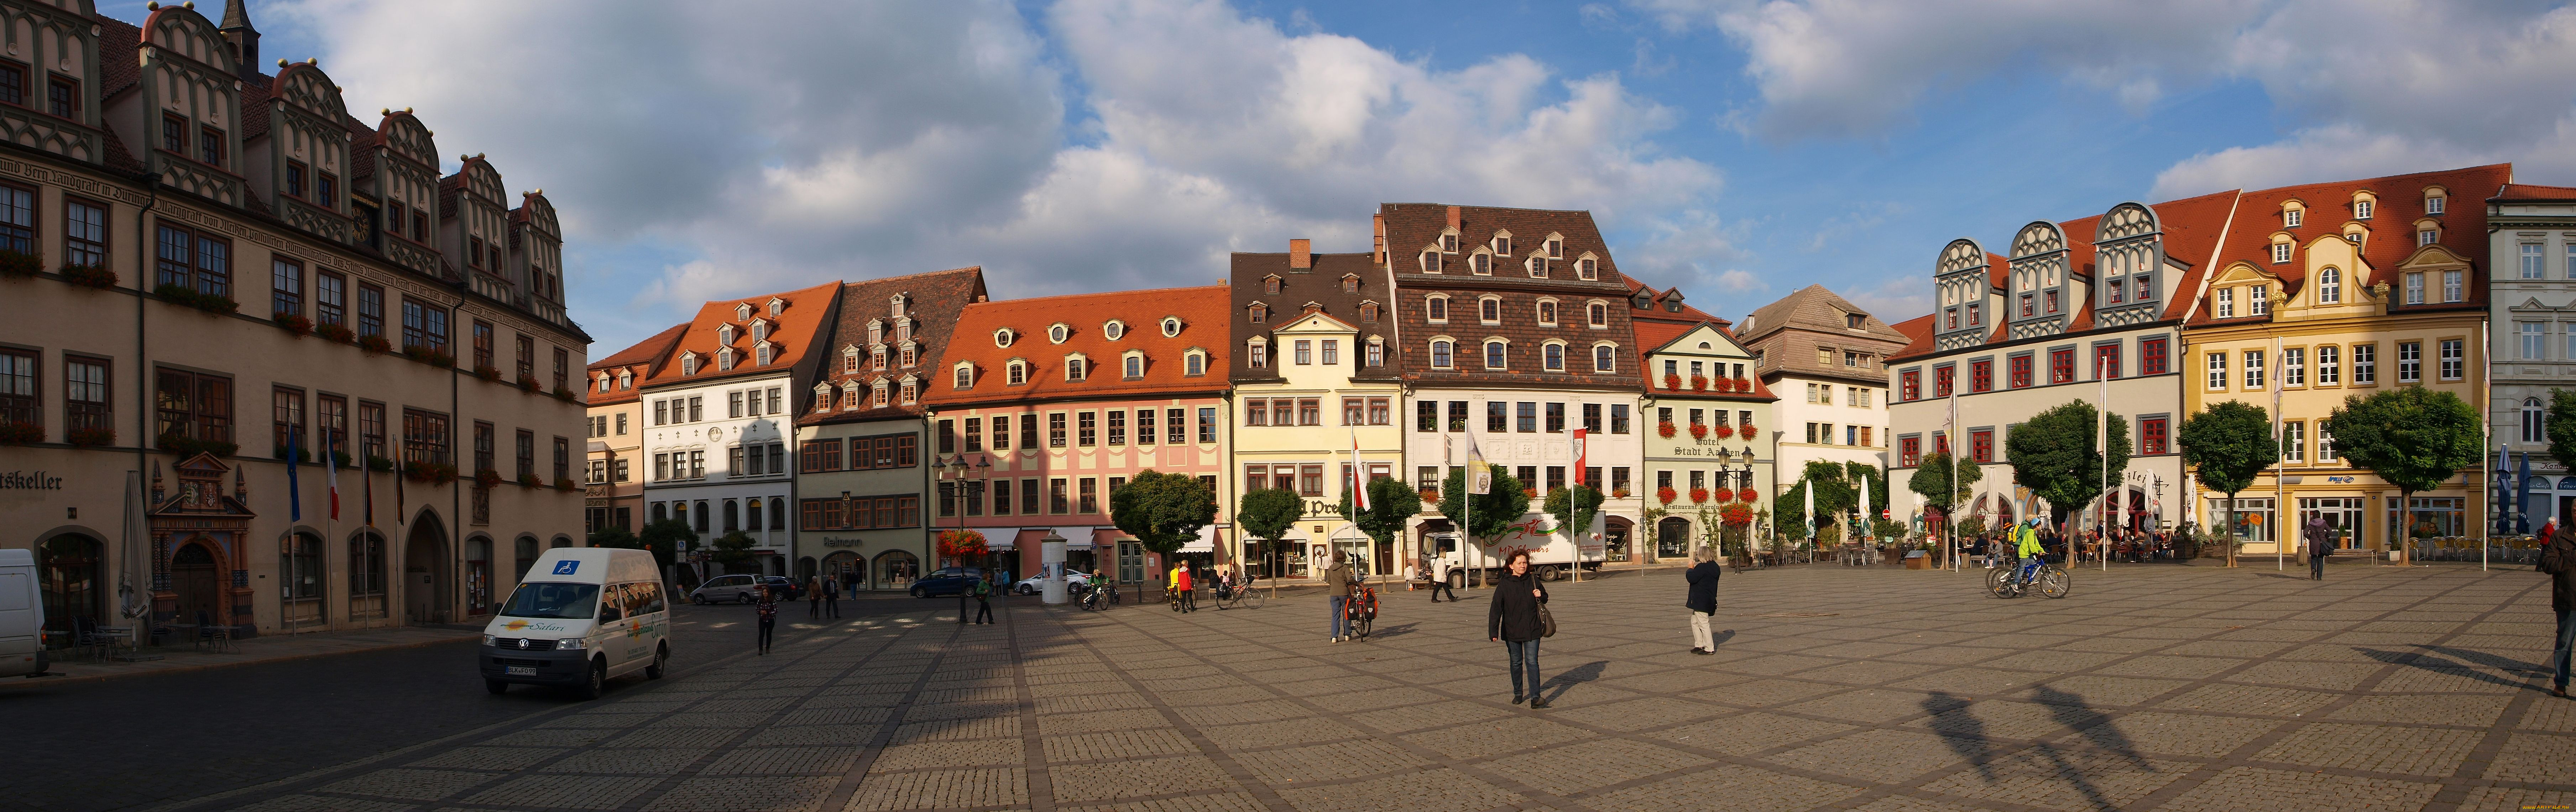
<point>1232,595</point>
<point>1096,598</point>
<point>1360,612</point>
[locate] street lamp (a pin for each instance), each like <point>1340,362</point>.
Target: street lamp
<point>955,473</point>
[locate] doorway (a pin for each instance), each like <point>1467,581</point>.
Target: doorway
<point>425,585</point>
<point>194,577</point>
<point>1672,537</point>
<point>2343,518</point>
<point>71,581</point>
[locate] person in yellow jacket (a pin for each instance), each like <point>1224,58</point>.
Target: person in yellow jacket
<point>2026,546</point>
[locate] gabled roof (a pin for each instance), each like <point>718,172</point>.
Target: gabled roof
<point>2193,228</point>
<point>799,330</point>
<point>1656,301</point>
<point>1202,311</point>
<point>1320,284</point>
<point>1813,307</point>
<point>2391,228</point>
<point>643,358</point>
<point>2535,193</point>
<point>1654,335</point>
<point>933,301</point>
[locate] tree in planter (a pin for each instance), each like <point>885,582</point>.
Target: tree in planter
<point>1494,512</point>
<point>1163,511</point>
<point>1266,514</point>
<point>734,549</point>
<point>1391,502</point>
<point>1941,495</point>
<point>1574,508</point>
<point>2228,444</point>
<point>2054,455</point>
<point>2413,437</point>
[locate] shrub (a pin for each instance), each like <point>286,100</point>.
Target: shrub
<point>89,276</point>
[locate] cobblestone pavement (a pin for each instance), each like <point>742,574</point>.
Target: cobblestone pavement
<point>2151,687</point>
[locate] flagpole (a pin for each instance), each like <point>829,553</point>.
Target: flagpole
<point>2102,445</point>
<point>2280,476</point>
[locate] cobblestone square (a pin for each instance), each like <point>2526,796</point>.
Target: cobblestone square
<point>2151,687</point>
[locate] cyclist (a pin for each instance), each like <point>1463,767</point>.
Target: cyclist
<point>2027,546</point>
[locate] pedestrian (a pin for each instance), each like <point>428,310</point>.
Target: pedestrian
<point>813,596</point>
<point>1440,581</point>
<point>983,589</point>
<point>1702,577</point>
<point>2558,560</point>
<point>1337,583</point>
<point>768,610</point>
<point>832,596</point>
<point>2320,544</point>
<point>1513,620</point>
<point>1189,596</point>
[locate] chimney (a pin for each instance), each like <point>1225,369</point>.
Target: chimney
<point>1377,238</point>
<point>1453,217</point>
<point>1301,253</point>
<point>979,298</point>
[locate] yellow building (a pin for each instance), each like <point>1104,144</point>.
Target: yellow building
<point>1313,370</point>
<point>2332,290</point>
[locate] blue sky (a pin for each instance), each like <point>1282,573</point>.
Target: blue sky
<point>1738,149</point>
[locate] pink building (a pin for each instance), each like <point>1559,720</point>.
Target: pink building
<point>1053,403</point>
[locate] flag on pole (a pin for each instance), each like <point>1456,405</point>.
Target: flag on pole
<point>1580,436</point>
<point>1359,474</point>
<point>1479,480</point>
<point>331,463</point>
<point>294,494</point>
<point>1811,510</point>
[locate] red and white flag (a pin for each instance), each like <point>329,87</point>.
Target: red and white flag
<point>331,461</point>
<point>1359,474</point>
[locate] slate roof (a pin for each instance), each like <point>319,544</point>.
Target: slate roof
<point>934,301</point>
<point>1320,285</point>
<point>1409,227</point>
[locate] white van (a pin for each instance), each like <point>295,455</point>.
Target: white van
<point>22,616</point>
<point>579,617</point>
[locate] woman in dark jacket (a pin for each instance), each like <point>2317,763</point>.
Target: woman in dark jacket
<point>1703,598</point>
<point>1514,621</point>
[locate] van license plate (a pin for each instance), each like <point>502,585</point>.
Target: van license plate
<point>520,670</point>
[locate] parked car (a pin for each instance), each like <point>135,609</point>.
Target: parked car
<point>946,581</point>
<point>1074,582</point>
<point>742,589</point>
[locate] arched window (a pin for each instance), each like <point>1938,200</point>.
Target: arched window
<point>1440,355</point>
<point>1553,357</point>
<point>2535,422</point>
<point>2330,286</point>
<point>732,515</point>
<point>1496,356</point>
<point>1114,330</point>
<point>751,515</point>
<point>1605,358</point>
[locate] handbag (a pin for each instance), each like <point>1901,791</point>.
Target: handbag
<point>1546,622</point>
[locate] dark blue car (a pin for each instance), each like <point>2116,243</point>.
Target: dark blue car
<point>947,581</point>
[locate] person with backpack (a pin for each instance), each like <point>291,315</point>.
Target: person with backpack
<point>2558,561</point>
<point>983,591</point>
<point>1517,619</point>
<point>2320,545</point>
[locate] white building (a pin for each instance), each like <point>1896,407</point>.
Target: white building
<point>2532,236</point>
<point>720,418</point>
<point>1825,360</point>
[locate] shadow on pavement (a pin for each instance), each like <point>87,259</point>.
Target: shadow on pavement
<point>1961,730</point>
<point>2430,662</point>
<point>1567,679</point>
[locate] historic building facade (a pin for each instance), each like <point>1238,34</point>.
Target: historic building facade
<point>2088,309</point>
<point>1710,446</point>
<point>721,418</point>
<point>1314,378</point>
<point>860,471</point>
<point>2331,290</point>
<point>187,240</point>
<point>1826,360</point>
<point>1043,407</point>
<point>1514,324</point>
<point>614,484</point>
<point>2532,315</point>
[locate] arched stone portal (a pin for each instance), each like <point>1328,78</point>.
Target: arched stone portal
<point>428,579</point>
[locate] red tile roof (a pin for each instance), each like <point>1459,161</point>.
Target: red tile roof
<point>2526,191</point>
<point>1202,312</point>
<point>933,301</point>
<point>1655,334</point>
<point>1689,313</point>
<point>2400,203</point>
<point>794,333</point>
<point>642,358</point>
<point>2192,227</point>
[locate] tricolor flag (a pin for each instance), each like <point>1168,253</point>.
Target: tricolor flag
<point>1359,475</point>
<point>331,463</point>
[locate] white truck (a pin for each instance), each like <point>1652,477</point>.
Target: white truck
<point>1551,554</point>
<point>22,616</point>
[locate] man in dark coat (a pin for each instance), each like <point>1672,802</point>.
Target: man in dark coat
<point>1703,598</point>
<point>2558,560</point>
<point>2320,544</point>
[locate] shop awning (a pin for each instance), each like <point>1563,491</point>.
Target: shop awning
<point>997,538</point>
<point>1205,543</point>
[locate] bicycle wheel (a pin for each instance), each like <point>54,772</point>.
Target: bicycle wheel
<point>2053,582</point>
<point>1999,582</point>
<point>1248,598</point>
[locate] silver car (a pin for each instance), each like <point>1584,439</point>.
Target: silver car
<point>1036,584</point>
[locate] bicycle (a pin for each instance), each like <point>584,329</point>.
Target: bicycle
<point>1360,612</point>
<point>1243,594</point>
<point>2010,582</point>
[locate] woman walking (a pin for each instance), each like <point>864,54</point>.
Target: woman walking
<point>1514,621</point>
<point>768,610</point>
<point>1703,597</point>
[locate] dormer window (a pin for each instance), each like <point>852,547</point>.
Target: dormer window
<point>1076,368</point>
<point>1259,312</point>
<point>1481,264</point>
<point>877,358</point>
<point>603,382</point>
<point>760,330</point>
<point>1194,363</point>
<point>2362,205</point>
<point>2281,251</point>
<point>1058,332</point>
<point>777,306</point>
<point>1368,312</point>
<point>1854,321</point>
<point>902,329</point>
<point>849,360</point>
<point>1503,243</point>
<point>1673,301</point>
<point>877,395</point>
<point>724,358</point>
<point>1135,366</point>
<point>1449,243</point>
<point>1115,330</point>
<point>1256,354</point>
<point>1443,356</point>
<point>911,392</point>
<point>625,381</point>
<point>965,376</point>
<point>2428,236</point>
<point>1003,337</point>
<point>689,363</point>
<point>2291,218</point>
<point>742,312</point>
<point>2225,306</point>
<point>911,354</point>
<point>822,398</point>
<point>2257,300</point>
<point>1555,246</point>
<point>1642,301</point>
<point>724,334</point>
<point>1350,283</point>
<point>1431,261</point>
<point>1016,373</point>
<point>1171,326</point>
<point>876,331</point>
<point>1586,269</point>
<point>1537,266</point>
<point>2433,203</point>
<point>766,353</point>
<point>895,304</point>
<point>1270,284</point>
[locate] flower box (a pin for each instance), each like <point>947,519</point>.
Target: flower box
<point>1722,432</point>
<point>488,373</point>
<point>379,464</point>
<point>1699,495</point>
<point>1699,431</point>
<point>89,276</point>
<point>487,478</point>
<point>531,481</point>
<point>337,333</point>
<point>566,484</point>
<point>1744,385</point>
<point>189,297</point>
<point>1748,432</point>
<point>294,325</point>
<point>1621,493</point>
<point>87,438</point>
<point>530,384</point>
<point>374,345</point>
<point>1699,383</point>
<point>426,472</point>
<point>186,446</point>
<point>17,433</point>
<point>1665,428</point>
<point>1666,495</point>
<point>428,355</point>
<point>20,264</point>
<point>1726,384</point>
<point>1672,380</point>
<point>567,395</point>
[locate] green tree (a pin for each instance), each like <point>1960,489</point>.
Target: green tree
<point>1266,514</point>
<point>1163,511</point>
<point>673,535</point>
<point>734,549</point>
<point>1495,512</point>
<point>2228,444</point>
<point>2413,437</point>
<point>1391,502</point>
<point>1574,508</point>
<point>2054,455</point>
<point>1933,481</point>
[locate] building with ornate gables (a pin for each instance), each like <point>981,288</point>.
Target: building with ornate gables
<point>213,277</point>
<point>1314,374</point>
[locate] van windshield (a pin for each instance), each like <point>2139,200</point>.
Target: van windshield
<point>553,600</point>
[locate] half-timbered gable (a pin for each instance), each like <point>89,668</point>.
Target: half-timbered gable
<point>298,159</point>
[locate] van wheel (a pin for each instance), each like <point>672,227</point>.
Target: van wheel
<point>661,657</point>
<point>496,686</point>
<point>597,681</point>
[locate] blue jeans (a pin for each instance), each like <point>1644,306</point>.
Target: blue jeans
<point>2566,644</point>
<point>1524,666</point>
<point>1341,624</point>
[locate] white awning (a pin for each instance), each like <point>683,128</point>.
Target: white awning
<point>1076,538</point>
<point>1205,543</point>
<point>997,538</point>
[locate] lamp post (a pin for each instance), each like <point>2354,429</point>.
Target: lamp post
<point>955,473</point>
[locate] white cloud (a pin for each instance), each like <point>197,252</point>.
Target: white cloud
<point>1895,299</point>
<point>1679,248</point>
<point>768,144</point>
<point>1741,281</point>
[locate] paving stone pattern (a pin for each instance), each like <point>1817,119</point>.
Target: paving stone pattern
<point>2153,687</point>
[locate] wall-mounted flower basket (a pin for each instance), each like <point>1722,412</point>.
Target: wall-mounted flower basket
<point>429,473</point>
<point>89,276</point>
<point>189,297</point>
<point>529,383</point>
<point>1665,428</point>
<point>531,481</point>
<point>1666,495</point>
<point>379,464</point>
<point>567,395</point>
<point>1748,433</point>
<point>1722,432</point>
<point>1736,515</point>
<point>91,438</point>
<point>1699,431</point>
<point>20,264</point>
<point>1699,383</point>
<point>1744,385</point>
<point>429,355</point>
<point>189,446</point>
<point>1699,495</point>
<point>17,433</point>
<point>1726,384</point>
<point>1672,380</point>
<point>488,373</point>
<point>487,478</point>
<point>566,484</point>
<point>337,333</point>
<point>374,345</point>
<point>294,325</point>
<point>1748,495</point>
